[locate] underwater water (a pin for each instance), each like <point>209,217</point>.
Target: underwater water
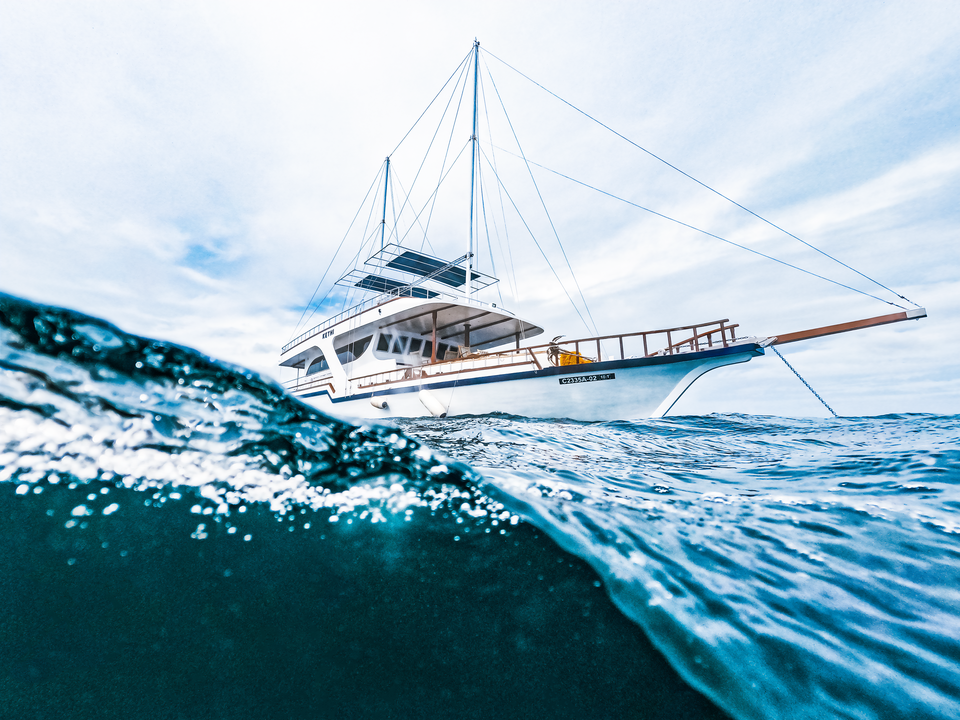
<point>180,539</point>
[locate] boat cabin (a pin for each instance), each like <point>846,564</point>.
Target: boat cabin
<point>405,332</point>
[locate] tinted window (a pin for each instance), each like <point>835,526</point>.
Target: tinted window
<point>349,353</point>
<point>383,345</point>
<point>427,348</point>
<point>415,344</point>
<point>318,365</point>
<point>398,345</point>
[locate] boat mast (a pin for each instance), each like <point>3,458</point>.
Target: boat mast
<point>383,222</point>
<point>473,165</point>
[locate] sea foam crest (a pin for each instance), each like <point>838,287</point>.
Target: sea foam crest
<point>83,401</point>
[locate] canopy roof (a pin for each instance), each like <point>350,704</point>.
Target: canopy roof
<point>396,267</point>
<point>489,326</point>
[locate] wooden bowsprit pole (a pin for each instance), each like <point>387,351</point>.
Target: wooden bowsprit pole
<point>848,326</point>
<point>835,329</point>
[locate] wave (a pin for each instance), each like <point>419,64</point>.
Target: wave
<point>787,568</point>
<point>86,401</point>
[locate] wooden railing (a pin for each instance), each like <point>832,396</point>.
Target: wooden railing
<point>467,363</point>
<point>703,336</point>
<point>302,384</point>
<point>648,343</point>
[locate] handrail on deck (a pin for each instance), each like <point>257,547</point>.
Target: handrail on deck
<point>703,335</point>
<point>694,340</point>
<point>701,330</point>
<point>474,361</point>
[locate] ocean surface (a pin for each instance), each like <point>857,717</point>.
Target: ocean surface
<point>181,539</point>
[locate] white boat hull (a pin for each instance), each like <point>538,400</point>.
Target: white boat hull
<point>611,390</point>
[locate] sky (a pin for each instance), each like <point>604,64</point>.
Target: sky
<point>187,171</point>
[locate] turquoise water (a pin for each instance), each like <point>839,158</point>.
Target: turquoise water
<point>183,540</point>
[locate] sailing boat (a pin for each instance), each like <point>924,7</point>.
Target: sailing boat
<point>423,343</point>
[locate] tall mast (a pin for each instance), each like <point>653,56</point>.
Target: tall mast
<point>383,222</point>
<point>473,165</point>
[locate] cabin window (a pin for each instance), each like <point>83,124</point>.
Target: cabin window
<point>318,365</point>
<point>349,353</point>
<point>406,345</point>
<point>441,351</point>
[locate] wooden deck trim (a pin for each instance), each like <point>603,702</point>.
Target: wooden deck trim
<point>430,376</point>
<point>313,385</point>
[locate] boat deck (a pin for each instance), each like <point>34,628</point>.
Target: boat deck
<point>643,344</point>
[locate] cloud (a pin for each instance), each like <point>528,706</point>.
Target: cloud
<point>188,169</point>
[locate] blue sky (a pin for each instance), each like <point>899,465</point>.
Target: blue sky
<point>186,170</point>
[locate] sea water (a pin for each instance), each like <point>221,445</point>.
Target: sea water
<point>181,539</point>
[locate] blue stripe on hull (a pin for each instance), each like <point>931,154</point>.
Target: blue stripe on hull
<point>591,368</point>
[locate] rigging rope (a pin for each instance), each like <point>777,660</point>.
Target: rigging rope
<point>544,205</point>
<point>339,247</point>
<point>433,195</point>
<point>416,217</point>
<point>462,62</point>
<point>508,256</point>
<point>535,241</point>
<point>703,184</point>
<point>433,138</point>
<point>705,232</point>
<point>486,230</point>
<point>446,154</point>
<point>461,70</point>
<point>815,393</point>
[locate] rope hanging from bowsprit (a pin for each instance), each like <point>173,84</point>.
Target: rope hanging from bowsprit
<point>815,393</point>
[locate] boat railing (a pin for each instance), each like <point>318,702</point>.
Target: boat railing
<point>376,301</point>
<point>468,363</point>
<point>310,382</point>
<point>647,343</point>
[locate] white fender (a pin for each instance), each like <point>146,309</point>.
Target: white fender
<point>432,404</point>
<point>379,402</point>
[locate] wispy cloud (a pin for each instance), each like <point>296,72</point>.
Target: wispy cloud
<point>187,170</point>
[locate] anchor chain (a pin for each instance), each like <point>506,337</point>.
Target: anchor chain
<point>803,381</point>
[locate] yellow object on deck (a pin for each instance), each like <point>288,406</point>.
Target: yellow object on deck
<point>573,358</point>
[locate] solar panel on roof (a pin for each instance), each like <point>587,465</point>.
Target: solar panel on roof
<point>377,283</point>
<point>418,264</point>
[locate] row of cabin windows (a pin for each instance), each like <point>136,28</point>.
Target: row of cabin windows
<point>393,344</point>
<point>402,345</point>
